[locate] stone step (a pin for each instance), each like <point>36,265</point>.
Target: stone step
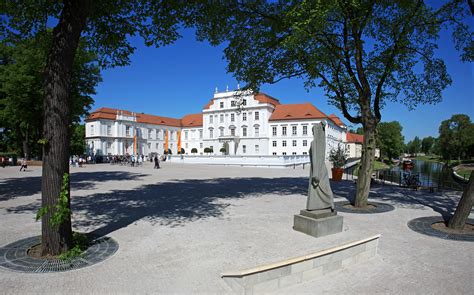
<point>296,270</point>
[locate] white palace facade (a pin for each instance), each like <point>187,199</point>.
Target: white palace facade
<point>242,123</point>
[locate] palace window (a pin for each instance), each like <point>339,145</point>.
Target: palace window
<point>221,120</point>
<point>150,133</point>
<point>149,146</point>
<point>232,117</point>
<point>186,145</point>
<point>274,130</point>
<point>293,130</point>
<point>244,131</point>
<point>305,142</point>
<point>222,104</point>
<point>274,143</point>
<point>200,145</point>
<point>305,153</point>
<point>284,153</point>
<point>244,149</point>
<point>186,135</point>
<point>283,130</point>
<point>284,143</point>
<point>274,153</point>
<point>109,145</point>
<point>211,133</point>
<point>257,131</point>
<point>109,130</point>
<point>257,148</point>
<point>232,131</point>
<point>200,134</point>
<point>293,153</point>
<point>257,116</point>
<point>244,116</point>
<point>294,142</point>
<point>305,130</point>
<point>157,146</point>
<point>127,131</point>
<point>221,131</point>
<point>232,103</point>
<point>244,102</point>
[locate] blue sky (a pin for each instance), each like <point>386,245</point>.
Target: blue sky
<point>181,78</point>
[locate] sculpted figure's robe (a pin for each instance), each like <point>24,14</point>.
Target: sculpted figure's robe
<point>319,192</point>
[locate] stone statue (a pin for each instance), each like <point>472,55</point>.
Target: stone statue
<point>319,193</point>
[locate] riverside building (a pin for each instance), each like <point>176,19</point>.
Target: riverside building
<point>231,123</point>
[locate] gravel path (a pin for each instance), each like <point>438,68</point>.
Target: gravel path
<point>181,226</point>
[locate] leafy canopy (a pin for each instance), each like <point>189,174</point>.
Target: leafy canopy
<point>390,139</point>
<point>456,137</point>
<point>363,53</point>
<point>22,65</point>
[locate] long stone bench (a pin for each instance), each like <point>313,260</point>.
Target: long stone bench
<point>299,269</point>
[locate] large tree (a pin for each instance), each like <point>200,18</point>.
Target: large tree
<point>390,139</point>
<point>456,137</point>
<point>362,53</point>
<point>414,146</point>
<point>21,89</point>
<point>106,26</point>
<point>427,144</point>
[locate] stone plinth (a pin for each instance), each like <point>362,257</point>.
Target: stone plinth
<point>318,223</point>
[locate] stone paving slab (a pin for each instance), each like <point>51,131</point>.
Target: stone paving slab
<point>181,226</point>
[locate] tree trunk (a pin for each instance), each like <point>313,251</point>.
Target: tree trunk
<point>26,151</point>
<point>464,207</point>
<point>58,239</point>
<point>367,164</point>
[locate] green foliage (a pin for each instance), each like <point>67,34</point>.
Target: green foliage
<point>456,138</point>
<point>41,212</point>
<point>42,141</point>
<point>21,89</point>
<point>390,139</point>
<point>338,157</point>
<point>414,146</point>
<point>78,142</point>
<point>208,150</point>
<point>61,211</point>
<point>80,243</point>
<point>427,144</point>
<point>363,53</point>
<point>194,151</point>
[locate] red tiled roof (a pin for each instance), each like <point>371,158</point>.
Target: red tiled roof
<point>354,138</point>
<point>265,98</point>
<point>336,120</point>
<point>193,120</point>
<point>158,120</point>
<point>111,114</point>
<point>208,105</point>
<point>296,112</point>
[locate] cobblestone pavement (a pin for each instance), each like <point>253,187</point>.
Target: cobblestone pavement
<point>179,227</point>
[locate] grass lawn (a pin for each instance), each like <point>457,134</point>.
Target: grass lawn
<point>430,158</point>
<point>378,165</point>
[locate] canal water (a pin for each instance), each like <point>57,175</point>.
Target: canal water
<point>430,174</point>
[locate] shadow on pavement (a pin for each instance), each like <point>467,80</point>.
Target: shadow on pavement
<point>11,188</point>
<point>177,202</point>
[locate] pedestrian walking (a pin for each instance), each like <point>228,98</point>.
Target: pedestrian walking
<point>24,165</point>
<point>157,163</point>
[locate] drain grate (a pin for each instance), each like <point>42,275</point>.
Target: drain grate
<point>14,256</point>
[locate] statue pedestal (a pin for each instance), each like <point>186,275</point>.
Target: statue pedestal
<point>318,223</point>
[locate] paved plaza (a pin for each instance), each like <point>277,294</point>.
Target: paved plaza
<point>181,226</point>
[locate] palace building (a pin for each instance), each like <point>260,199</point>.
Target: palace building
<point>236,122</point>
